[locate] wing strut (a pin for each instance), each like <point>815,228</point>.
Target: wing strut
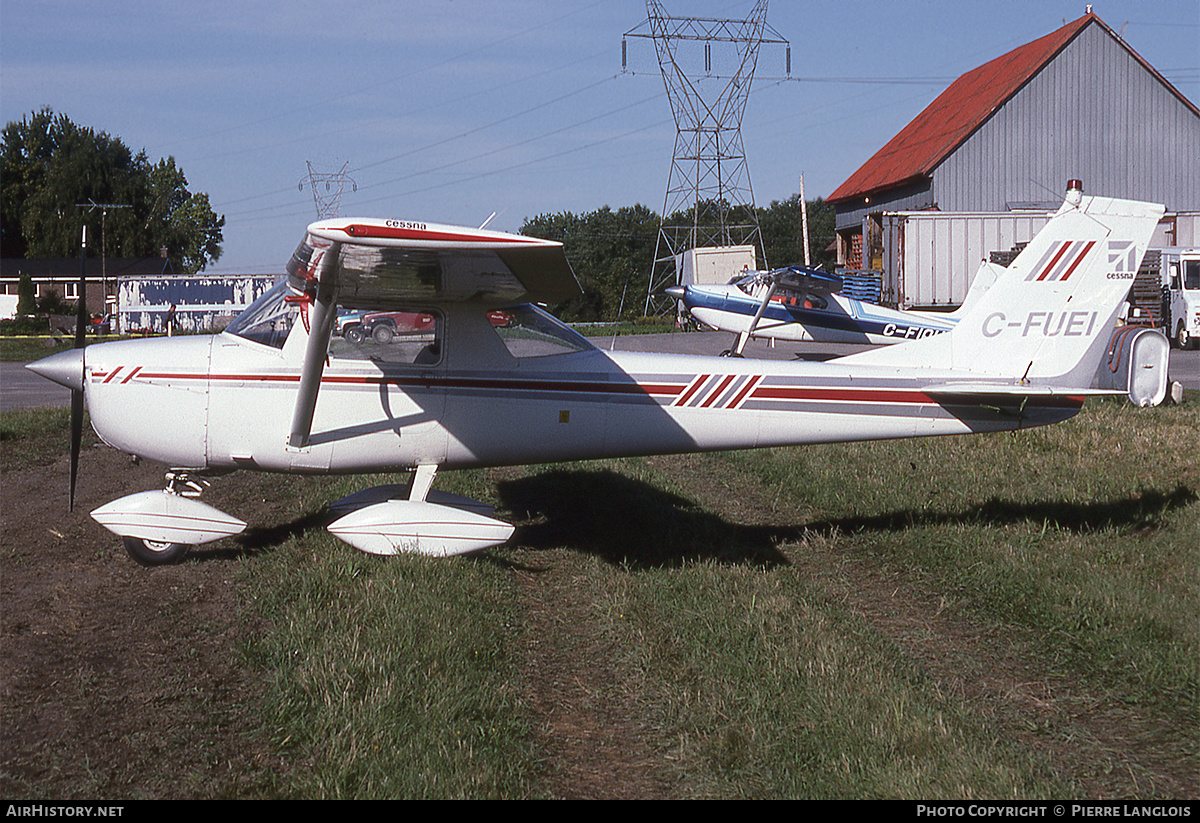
<point>322,319</point>
<point>773,283</point>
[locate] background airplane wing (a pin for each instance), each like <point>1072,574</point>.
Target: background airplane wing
<point>805,278</point>
<point>381,263</point>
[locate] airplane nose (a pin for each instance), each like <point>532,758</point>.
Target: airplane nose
<point>676,291</point>
<point>64,368</point>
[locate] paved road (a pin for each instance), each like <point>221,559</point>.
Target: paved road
<point>22,389</point>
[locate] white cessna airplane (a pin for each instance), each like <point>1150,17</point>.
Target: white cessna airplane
<point>493,380</point>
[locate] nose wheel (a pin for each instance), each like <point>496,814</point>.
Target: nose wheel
<point>154,552</point>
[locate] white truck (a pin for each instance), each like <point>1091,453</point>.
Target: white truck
<point>1180,271</point>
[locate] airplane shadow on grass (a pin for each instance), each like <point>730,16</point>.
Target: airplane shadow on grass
<point>626,521</point>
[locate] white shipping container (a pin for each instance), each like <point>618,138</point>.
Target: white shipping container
<point>714,265</point>
<point>931,257</point>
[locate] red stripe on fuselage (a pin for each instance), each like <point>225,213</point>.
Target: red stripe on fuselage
<point>682,391</point>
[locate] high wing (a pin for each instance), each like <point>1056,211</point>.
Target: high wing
<point>380,263</point>
<point>373,263</point>
<point>805,278</point>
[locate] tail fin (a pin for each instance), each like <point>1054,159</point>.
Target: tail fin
<point>1047,318</point>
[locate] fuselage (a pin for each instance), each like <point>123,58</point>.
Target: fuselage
<point>825,317</point>
<point>224,402</point>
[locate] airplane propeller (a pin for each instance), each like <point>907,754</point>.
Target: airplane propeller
<point>77,393</point>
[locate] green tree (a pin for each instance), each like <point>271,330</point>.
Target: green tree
<point>51,164</point>
<point>781,225</point>
<point>26,295</point>
<point>611,253</point>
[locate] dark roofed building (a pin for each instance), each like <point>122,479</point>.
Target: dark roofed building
<point>62,276</point>
<point>1078,103</point>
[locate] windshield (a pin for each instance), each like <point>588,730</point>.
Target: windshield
<point>1191,275</point>
<point>269,319</point>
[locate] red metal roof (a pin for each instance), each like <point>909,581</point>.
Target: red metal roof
<point>950,119</point>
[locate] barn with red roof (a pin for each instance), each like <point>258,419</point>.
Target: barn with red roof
<point>1003,139</point>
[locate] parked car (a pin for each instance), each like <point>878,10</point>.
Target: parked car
<point>349,325</point>
<point>382,326</point>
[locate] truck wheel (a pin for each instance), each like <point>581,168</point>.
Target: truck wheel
<point>154,553</point>
<point>382,334</point>
<point>354,334</point>
<point>1181,337</point>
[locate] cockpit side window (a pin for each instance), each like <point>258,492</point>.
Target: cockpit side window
<point>410,336</point>
<point>405,336</point>
<point>527,331</point>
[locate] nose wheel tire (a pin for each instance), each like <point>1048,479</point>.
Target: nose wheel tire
<point>155,553</point>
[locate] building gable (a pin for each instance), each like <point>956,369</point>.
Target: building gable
<point>970,103</point>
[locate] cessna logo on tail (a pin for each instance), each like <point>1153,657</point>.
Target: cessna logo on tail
<point>1123,257</point>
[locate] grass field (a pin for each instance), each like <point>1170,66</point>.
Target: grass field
<point>1007,616</point>
<point>751,678</point>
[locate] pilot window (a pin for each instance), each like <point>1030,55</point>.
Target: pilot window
<point>805,300</point>
<point>386,336</point>
<point>527,331</point>
<point>413,337</point>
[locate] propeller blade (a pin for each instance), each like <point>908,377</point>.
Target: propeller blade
<point>81,322</point>
<point>76,439</point>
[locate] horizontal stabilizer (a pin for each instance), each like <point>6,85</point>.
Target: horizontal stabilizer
<point>1013,390</point>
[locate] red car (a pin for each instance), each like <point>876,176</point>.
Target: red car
<point>382,326</point>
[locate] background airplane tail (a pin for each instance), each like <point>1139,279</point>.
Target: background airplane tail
<point>1048,317</point>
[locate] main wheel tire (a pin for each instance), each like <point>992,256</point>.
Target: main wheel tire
<point>382,335</point>
<point>154,553</point>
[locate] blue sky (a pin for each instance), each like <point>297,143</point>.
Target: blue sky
<point>450,110</point>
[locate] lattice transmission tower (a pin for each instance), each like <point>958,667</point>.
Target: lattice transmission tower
<point>709,200</point>
<point>327,189</point>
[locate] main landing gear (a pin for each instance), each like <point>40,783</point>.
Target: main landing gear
<point>160,527</point>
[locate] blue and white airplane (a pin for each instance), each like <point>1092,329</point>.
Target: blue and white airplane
<point>802,303</point>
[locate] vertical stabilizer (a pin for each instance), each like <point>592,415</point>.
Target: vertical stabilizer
<point>1048,317</point>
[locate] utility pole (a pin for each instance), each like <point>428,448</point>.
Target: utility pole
<point>91,206</point>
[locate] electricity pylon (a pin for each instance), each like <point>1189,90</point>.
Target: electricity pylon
<point>709,200</point>
<point>329,200</point>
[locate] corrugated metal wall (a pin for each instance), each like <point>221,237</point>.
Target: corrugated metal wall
<point>1094,113</point>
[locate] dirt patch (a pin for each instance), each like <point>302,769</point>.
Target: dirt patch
<point>115,681</point>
